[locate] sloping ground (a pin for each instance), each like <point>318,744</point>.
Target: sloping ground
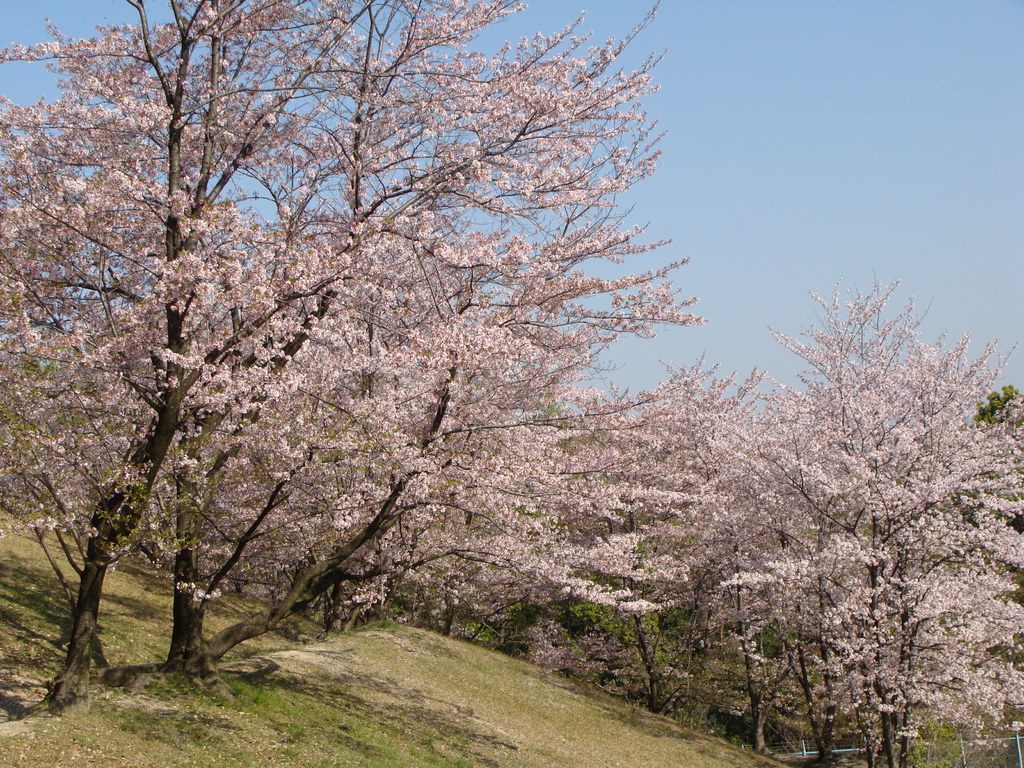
<point>134,622</point>
<point>389,696</point>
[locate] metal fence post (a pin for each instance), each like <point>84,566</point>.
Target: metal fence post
<point>1016,738</point>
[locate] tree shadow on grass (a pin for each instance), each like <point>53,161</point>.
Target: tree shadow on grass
<point>35,619</point>
<point>35,623</point>
<point>31,601</point>
<point>420,719</point>
<point>18,698</point>
<point>135,608</point>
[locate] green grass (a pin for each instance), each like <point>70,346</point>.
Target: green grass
<point>387,697</point>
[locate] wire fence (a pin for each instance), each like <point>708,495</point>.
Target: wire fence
<point>806,748</point>
<point>1005,752</point>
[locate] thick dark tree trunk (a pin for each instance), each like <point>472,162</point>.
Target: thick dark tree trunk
<point>904,756</point>
<point>825,738</point>
<point>71,687</point>
<point>654,702</point>
<point>895,742</point>
<point>116,518</point>
<point>449,618</point>
<point>189,654</point>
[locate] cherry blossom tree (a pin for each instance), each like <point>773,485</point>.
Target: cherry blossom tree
<point>290,269</point>
<point>651,547</point>
<point>894,535</point>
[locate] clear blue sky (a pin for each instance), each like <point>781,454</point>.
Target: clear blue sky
<point>808,141</point>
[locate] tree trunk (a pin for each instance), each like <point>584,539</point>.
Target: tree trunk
<point>889,740</point>
<point>309,583</point>
<point>449,618</point>
<point>822,720</point>
<point>825,740</point>
<point>332,608</point>
<point>760,696</point>
<point>647,658</point>
<point>758,719</point>
<point>71,687</point>
<point>903,757</point>
<point>189,654</point>
<point>116,517</point>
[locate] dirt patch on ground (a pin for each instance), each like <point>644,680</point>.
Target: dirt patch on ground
<point>15,728</point>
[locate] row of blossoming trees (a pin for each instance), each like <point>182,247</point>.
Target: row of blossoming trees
<point>297,298</point>
<point>839,553</point>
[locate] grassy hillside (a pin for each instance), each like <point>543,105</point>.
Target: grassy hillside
<point>387,696</point>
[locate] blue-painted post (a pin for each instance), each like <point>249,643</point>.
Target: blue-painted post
<point>1016,738</point>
